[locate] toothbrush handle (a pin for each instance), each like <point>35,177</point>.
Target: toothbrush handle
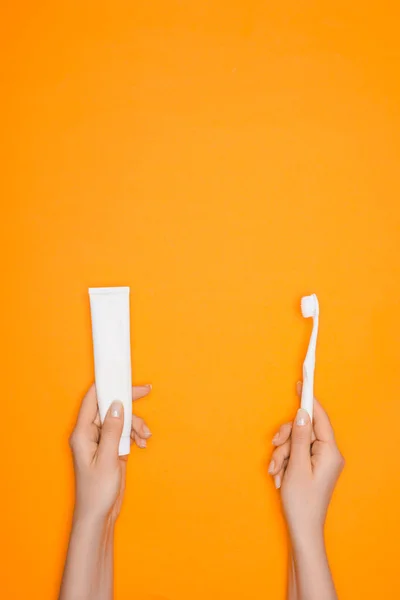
<point>307,394</point>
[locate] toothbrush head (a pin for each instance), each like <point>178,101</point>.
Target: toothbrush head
<point>310,306</point>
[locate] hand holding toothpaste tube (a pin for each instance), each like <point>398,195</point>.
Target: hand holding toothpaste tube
<point>99,470</point>
<point>99,489</point>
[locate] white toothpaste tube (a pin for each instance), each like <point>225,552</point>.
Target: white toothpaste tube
<point>109,309</point>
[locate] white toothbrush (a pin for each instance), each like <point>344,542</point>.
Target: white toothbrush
<point>309,308</point>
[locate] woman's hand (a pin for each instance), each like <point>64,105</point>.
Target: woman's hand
<point>306,465</point>
<point>100,483</point>
<point>99,471</point>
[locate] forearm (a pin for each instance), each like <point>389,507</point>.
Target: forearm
<point>311,572</point>
<point>88,573</point>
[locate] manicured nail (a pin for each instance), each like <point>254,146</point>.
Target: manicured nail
<point>146,431</point>
<point>116,409</point>
<point>142,443</point>
<point>277,480</point>
<point>302,417</point>
<point>271,467</point>
<point>275,439</point>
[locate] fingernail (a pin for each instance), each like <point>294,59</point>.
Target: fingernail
<point>146,431</point>
<point>271,467</point>
<point>275,439</point>
<point>277,480</point>
<point>302,417</point>
<point>149,386</point>
<point>116,409</point>
<point>142,443</point>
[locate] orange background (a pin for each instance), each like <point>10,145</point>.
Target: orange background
<point>222,159</point>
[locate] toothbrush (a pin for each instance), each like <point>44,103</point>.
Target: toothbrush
<point>309,308</point>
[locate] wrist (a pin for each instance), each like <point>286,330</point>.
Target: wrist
<point>307,541</point>
<point>92,523</point>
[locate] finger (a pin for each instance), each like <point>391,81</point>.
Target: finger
<point>88,412</point>
<point>322,427</point>
<point>140,442</point>
<point>278,478</point>
<point>88,409</point>
<point>278,457</point>
<point>111,433</point>
<point>140,428</point>
<point>140,391</point>
<point>301,441</point>
<point>283,434</point>
<point>97,420</point>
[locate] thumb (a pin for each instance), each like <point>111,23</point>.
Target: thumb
<point>111,432</point>
<point>301,441</point>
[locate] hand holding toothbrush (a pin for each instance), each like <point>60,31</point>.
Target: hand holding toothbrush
<point>310,464</point>
<point>309,469</point>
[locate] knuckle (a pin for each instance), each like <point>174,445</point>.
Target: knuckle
<point>284,450</point>
<point>107,430</point>
<point>111,428</point>
<point>75,439</point>
<point>302,435</point>
<point>285,428</point>
<point>338,457</point>
<point>276,456</point>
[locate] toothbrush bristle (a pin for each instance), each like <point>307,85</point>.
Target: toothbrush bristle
<point>309,306</point>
